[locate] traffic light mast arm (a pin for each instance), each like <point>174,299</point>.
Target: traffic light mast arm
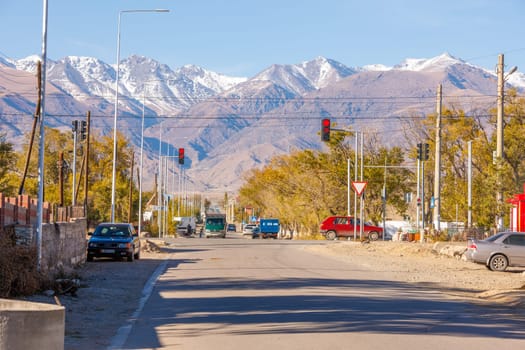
<point>343,130</point>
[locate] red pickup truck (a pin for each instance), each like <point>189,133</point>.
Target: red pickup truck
<point>334,227</point>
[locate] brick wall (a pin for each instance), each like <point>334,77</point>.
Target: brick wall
<point>63,242</point>
<point>21,210</point>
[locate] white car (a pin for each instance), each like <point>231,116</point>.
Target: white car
<point>248,229</point>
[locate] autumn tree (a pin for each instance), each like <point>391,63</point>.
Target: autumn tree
<point>458,129</point>
<point>100,173</point>
<point>101,176</point>
<point>7,167</point>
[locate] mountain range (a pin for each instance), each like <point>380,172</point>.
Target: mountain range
<point>229,125</point>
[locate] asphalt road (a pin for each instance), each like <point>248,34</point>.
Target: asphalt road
<point>267,294</point>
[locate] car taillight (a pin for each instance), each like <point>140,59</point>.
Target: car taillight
<point>472,246</point>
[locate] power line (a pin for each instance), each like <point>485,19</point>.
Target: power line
<point>255,99</point>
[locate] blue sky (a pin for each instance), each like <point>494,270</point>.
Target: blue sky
<point>243,37</point>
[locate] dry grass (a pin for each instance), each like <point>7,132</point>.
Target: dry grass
<point>18,268</point>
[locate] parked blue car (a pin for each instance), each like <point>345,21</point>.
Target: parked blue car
<point>114,240</point>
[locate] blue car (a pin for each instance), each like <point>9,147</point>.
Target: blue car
<point>114,240</point>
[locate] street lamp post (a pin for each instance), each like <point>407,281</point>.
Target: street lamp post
<point>116,108</point>
<point>499,137</point>
<point>42,112</point>
<point>141,161</point>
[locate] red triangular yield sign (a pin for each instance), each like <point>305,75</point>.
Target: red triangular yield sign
<point>359,187</point>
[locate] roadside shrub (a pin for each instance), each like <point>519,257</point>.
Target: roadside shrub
<point>441,236</point>
<point>18,268</point>
<point>151,227</point>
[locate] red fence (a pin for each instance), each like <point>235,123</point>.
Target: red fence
<point>21,210</point>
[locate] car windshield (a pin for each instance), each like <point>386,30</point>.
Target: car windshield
<point>111,231</point>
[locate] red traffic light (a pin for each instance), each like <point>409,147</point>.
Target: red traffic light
<point>325,129</point>
<point>181,155</point>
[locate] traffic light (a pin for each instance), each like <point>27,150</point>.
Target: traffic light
<point>325,129</point>
<point>83,130</point>
<point>426,151</point>
<point>74,125</point>
<point>181,155</point>
<point>420,151</point>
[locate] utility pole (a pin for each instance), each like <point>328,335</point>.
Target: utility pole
<point>130,203</point>
<point>75,134</point>
<point>499,138</point>
<point>355,177</point>
<point>362,204</point>
<point>422,201</point>
<point>82,166</point>
<point>437,169</point>
<point>469,185</point>
<point>499,144</point>
<point>33,130</point>
<point>86,176</point>
<point>418,193</point>
<point>383,195</point>
<point>83,131</point>
<point>61,178</point>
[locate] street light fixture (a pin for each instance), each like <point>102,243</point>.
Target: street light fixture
<point>116,107</point>
<point>499,137</point>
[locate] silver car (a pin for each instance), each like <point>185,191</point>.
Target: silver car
<point>248,229</point>
<point>499,251</point>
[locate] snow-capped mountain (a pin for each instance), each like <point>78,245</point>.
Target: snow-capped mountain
<point>231,124</point>
<point>434,64</point>
<point>307,76</point>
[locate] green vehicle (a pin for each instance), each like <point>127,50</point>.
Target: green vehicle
<point>215,225</point>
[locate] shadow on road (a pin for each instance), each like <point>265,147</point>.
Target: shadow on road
<point>313,305</point>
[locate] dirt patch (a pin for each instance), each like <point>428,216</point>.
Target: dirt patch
<point>440,265</point>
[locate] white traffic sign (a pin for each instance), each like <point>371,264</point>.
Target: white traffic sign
<point>359,186</point>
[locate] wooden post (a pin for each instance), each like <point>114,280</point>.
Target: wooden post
<point>61,178</point>
<point>33,130</point>
<point>130,209</point>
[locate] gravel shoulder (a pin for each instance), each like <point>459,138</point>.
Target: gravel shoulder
<point>440,266</point>
<point>109,293</point>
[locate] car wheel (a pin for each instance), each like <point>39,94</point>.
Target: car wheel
<point>131,257</point>
<point>498,262</point>
<point>89,258</point>
<point>331,235</point>
<point>373,236</point>
<point>137,256</point>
